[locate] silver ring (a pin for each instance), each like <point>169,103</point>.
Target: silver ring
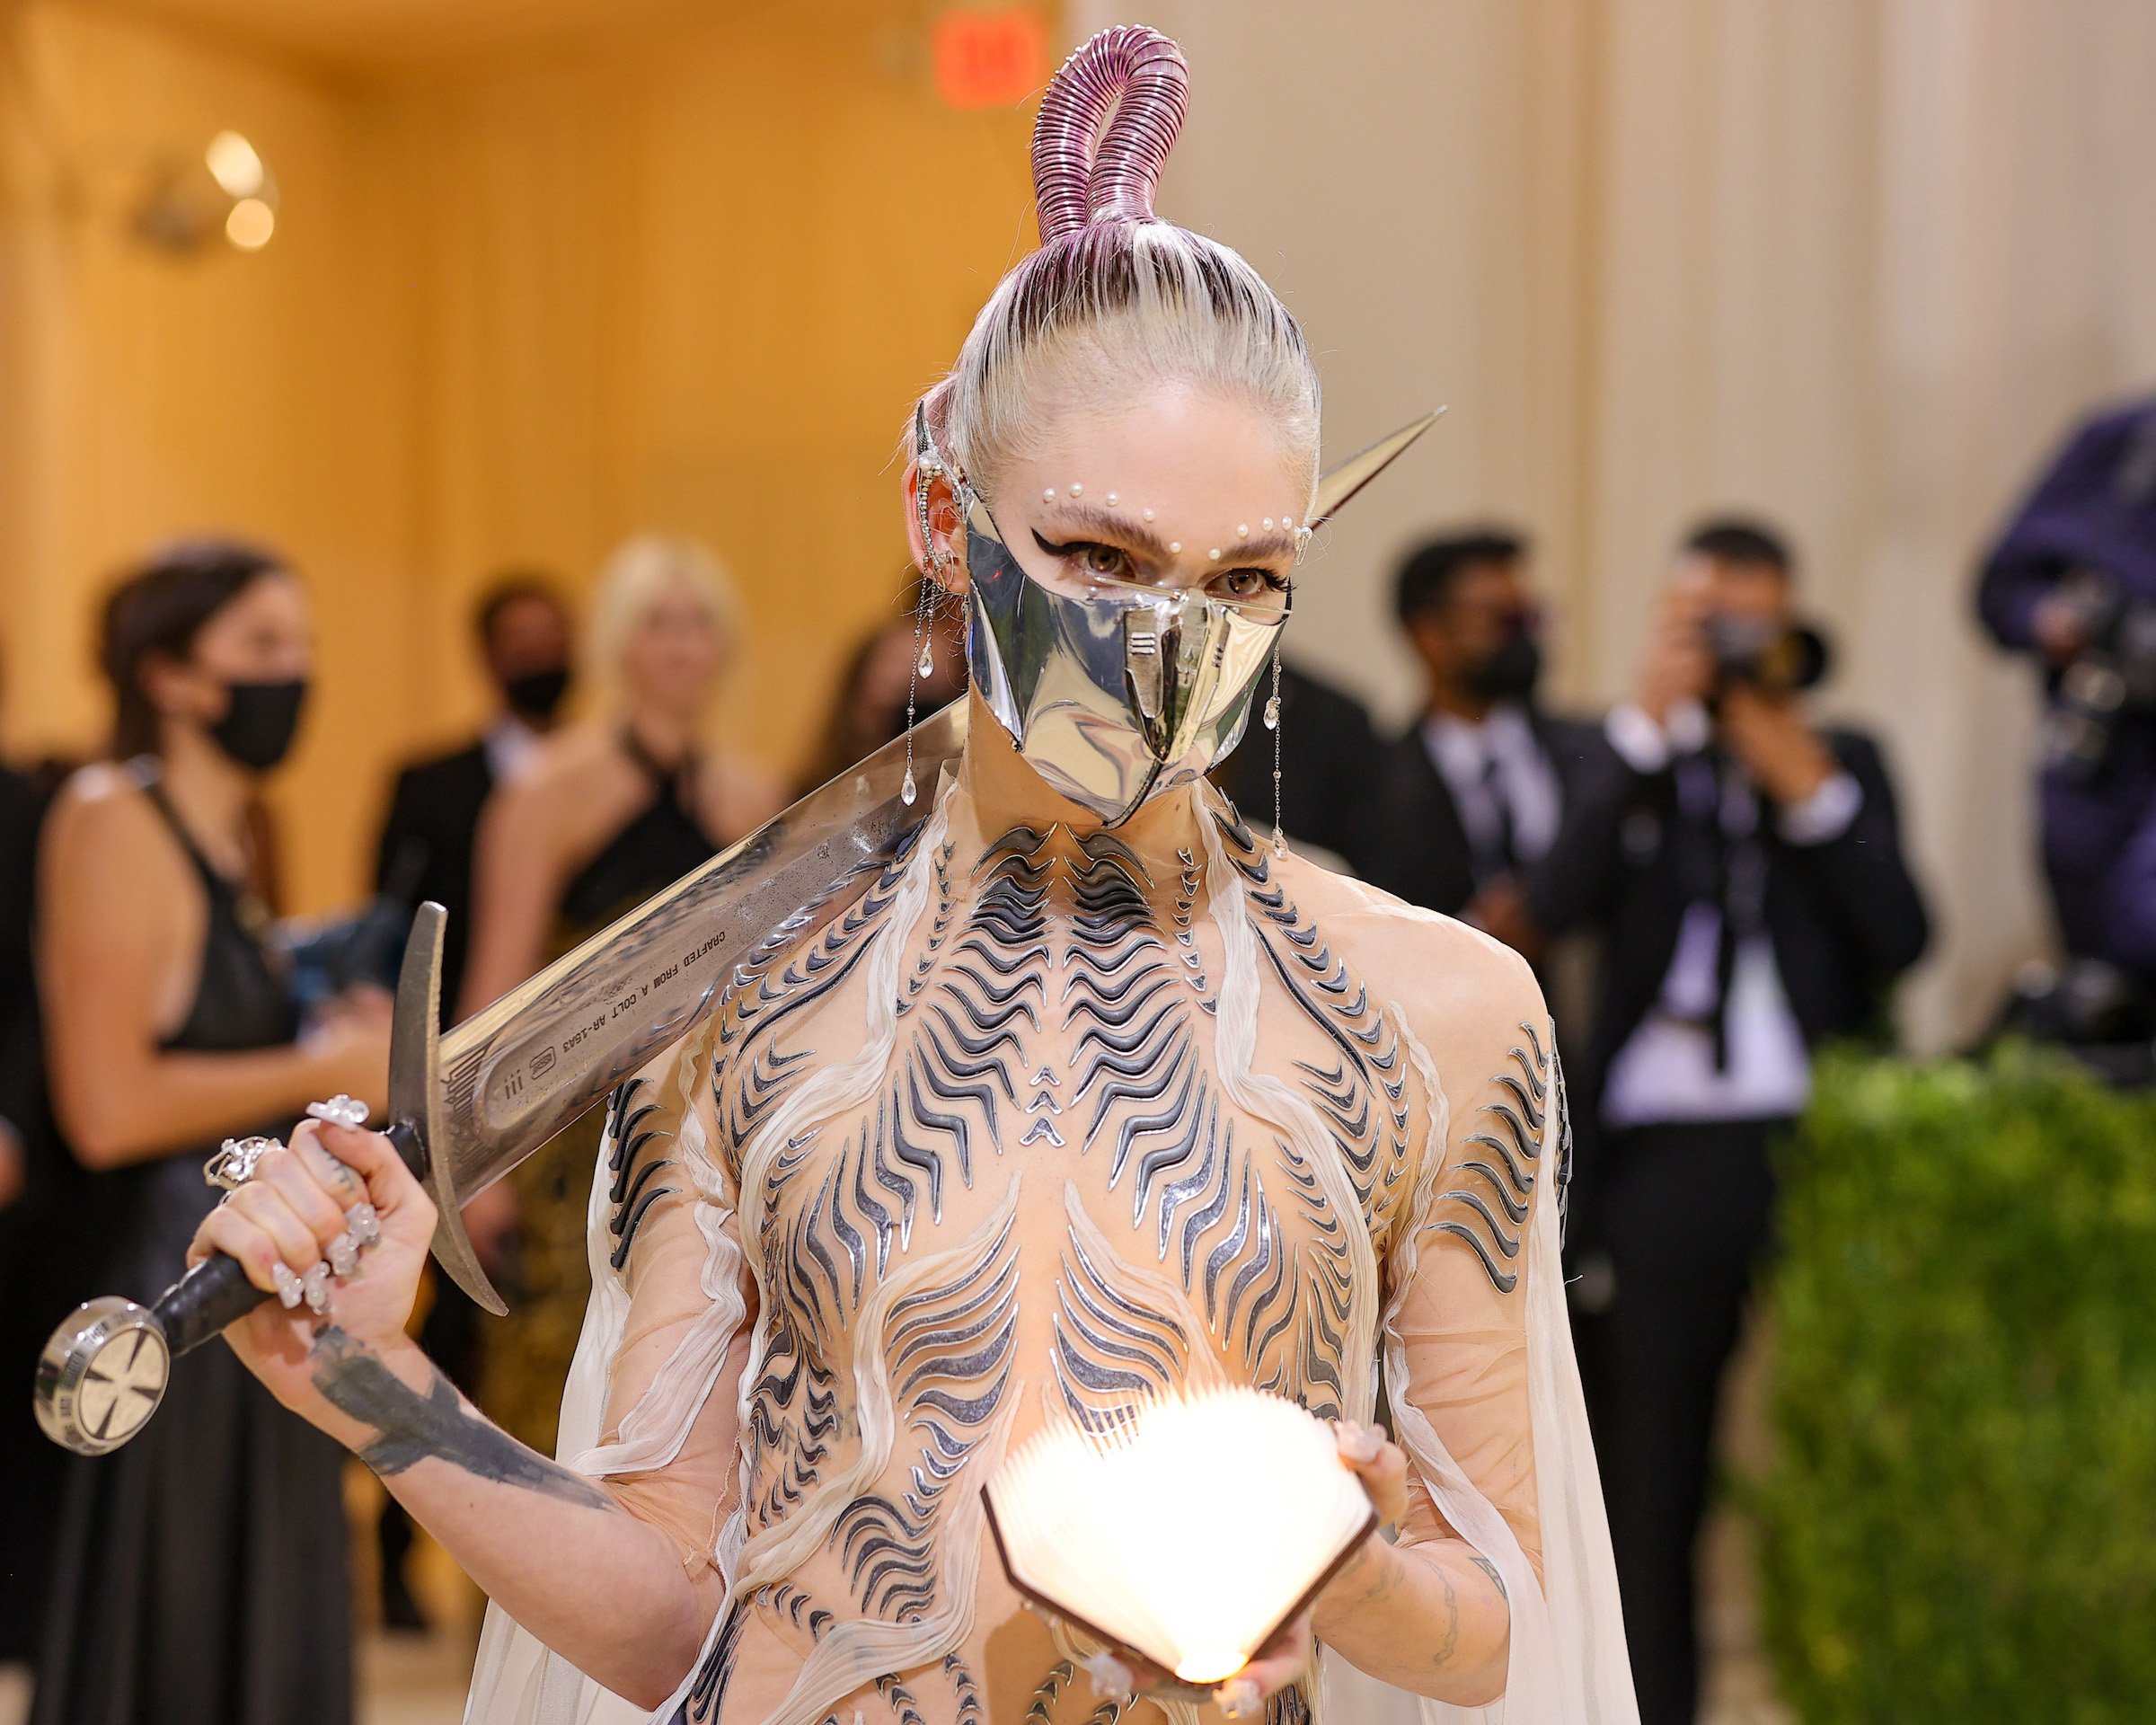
<point>339,1110</point>
<point>234,1164</point>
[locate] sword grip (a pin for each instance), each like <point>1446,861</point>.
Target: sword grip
<point>216,1292</point>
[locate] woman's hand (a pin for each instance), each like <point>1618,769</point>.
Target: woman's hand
<point>350,1038</point>
<point>288,1216</point>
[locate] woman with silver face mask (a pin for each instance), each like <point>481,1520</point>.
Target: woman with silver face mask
<point>171,1025</point>
<point>1091,1093</point>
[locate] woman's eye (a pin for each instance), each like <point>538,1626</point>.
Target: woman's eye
<point>1247,584</point>
<point>1089,557</point>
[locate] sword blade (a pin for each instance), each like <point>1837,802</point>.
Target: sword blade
<point>512,1076</point>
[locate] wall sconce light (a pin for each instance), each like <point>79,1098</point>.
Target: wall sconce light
<point>228,189</point>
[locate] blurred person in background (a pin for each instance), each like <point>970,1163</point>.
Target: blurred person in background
<point>522,629</point>
<point>200,1571</point>
<point>30,1466</point>
<point>1745,868</point>
<point>1471,796</point>
<point>869,708</point>
<point>2072,583</point>
<point>425,852</point>
<point>1326,758</point>
<point>604,813</point>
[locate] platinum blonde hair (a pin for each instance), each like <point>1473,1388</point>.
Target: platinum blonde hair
<point>1116,298</point>
<point>637,576</point>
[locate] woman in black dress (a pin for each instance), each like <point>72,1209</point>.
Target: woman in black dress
<point>201,1575</point>
<point>608,811</point>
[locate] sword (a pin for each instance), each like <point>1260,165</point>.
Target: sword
<point>465,1107</point>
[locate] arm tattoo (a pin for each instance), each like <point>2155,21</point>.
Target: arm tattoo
<point>1491,1570</point>
<point>1450,1645</point>
<point>412,1425</point>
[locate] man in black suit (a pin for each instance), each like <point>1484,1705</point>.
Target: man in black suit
<point>1327,760</point>
<point>425,852</point>
<point>426,847</point>
<point>1472,795</point>
<point>1745,868</point>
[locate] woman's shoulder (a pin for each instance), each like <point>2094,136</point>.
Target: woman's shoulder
<point>102,803</point>
<point>1446,975</point>
<point>745,792</point>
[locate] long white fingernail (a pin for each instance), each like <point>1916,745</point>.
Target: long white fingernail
<point>344,1255</point>
<point>288,1288</point>
<point>1238,1697</point>
<point>1359,1443</point>
<point>1111,1678</point>
<point>316,1283</point>
<point>364,1223</point>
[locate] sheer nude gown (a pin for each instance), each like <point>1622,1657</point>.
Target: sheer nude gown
<point>1023,1125</point>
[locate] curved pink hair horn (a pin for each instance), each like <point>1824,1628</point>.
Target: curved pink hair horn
<point>1140,74</point>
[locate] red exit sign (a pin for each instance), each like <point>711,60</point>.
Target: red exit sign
<point>989,59</point>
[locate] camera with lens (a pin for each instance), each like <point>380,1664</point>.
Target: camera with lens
<point>2113,675</point>
<point>1771,654</point>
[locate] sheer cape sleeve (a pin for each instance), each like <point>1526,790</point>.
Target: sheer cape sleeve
<point>650,1404</point>
<point>1480,1372</point>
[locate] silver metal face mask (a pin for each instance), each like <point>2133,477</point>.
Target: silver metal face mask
<point>1124,691</point>
<point>1116,694</point>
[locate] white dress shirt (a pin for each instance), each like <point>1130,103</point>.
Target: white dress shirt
<point>1666,1070</point>
<point>1500,758</point>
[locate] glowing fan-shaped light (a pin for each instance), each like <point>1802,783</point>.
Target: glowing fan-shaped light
<point>1190,1532</point>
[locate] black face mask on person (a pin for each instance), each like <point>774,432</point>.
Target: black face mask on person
<point>536,693</point>
<point>1512,671</point>
<point>260,722</point>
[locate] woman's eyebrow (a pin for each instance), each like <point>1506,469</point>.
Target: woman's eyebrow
<point>1118,524</point>
<point>1114,523</point>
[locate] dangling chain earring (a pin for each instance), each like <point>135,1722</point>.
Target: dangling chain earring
<point>1272,723</point>
<point>924,660</point>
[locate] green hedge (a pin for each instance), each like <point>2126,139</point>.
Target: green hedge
<point>1960,1522</point>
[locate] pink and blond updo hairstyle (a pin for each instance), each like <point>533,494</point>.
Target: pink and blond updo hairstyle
<point>1116,299</point>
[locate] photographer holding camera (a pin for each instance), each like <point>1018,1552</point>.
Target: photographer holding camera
<point>1745,870</point>
<point>2073,581</point>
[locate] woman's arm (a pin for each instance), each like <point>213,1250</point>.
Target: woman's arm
<point>604,1585</point>
<point>1432,1614</point>
<point>609,1560</point>
<point>516,882</point>
<point>112,927</point>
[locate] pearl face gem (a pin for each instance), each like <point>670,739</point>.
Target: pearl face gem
<point>1243,529</point>
<point>1077,490</point>
<point>1111,500</point>
<point>1268,521</point>
<point>1214,553</point>
<point>1149,515</point>
<point>1175,545</point>
<point>1048,496</point>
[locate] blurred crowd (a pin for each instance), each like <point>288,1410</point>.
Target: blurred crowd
<point>1709,880</point>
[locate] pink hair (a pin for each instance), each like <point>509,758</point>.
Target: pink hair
<point>1115,294</point>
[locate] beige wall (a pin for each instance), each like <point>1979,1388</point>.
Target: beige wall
<point>1855,263</point>
<point>681,275</point>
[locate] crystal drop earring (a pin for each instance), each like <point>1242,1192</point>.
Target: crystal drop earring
<point>924,660</point>
<point>1272,723</point>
